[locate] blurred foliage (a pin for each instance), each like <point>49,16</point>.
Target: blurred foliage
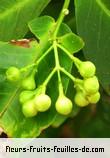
<point>92,121</point>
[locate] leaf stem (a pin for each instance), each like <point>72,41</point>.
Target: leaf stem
<point>68,74</point>
<point>74,59</point>
<point>75,80</point>
<point>24,69</point>
<point>42,88</point>
<point>58,68</point>
<point>44,55</point>
<point>38,61</point>
<point>49,77</point>
<point>63,13</point>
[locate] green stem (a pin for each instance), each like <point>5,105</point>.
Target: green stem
<point>49,77</point>
<point>64,12</point>
<point>40,90</point>
<point>75,80</point>
<point>68,74</point>
<point>44,55</point>
<point>38,61</point>
<point>27,67</point>
<point>58,68</point>
<point>74,59</point>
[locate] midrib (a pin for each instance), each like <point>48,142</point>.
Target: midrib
<point>104,8</point>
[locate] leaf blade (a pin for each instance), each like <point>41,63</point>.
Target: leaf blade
<point>94,29</point>
<point>16,14</point>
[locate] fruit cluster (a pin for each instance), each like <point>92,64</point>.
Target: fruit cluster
<point>35,100</point>
<point>32,103</point>
<point>88,88</point>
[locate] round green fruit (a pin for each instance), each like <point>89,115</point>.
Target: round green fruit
<point>94,98</point>
<point>87,69</point>
<point>13,74</point>
<point>63,105</point>
<point>29,83</point>
<point>29,109</point>
<point>42,102</point>
<point>80,99</point>
<point>91,85</point>
<point>25,96</point>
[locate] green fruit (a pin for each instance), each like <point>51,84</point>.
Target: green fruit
<point>42,102</point>
<point>29,83</point>
<point>80,99</point>
<point>94,98</point>
<point>91,85</point>
<point>29,109</point>
<point>13,74</point>
<point>87,69</point>
<point>25,95</point>
<point>63,105</point>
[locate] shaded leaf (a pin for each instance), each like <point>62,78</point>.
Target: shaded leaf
<point>93,25</point>
<point>95,128</point>
<point>14,16</point>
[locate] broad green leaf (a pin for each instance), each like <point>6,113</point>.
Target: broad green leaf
<point>45,23</point>
<point>14,16</point>
<point>48,28</point>
<point>71,42</point>
<point>12,120</point>
<point>93,25</point>
<point>41,27</point>
<point>11,54</point>
<point>64,29</point>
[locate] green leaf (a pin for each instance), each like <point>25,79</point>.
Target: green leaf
<point>41,27</point>
<point>71,42</point>
<point>45,23</point>
<point>93,25</point>
<point>14,16</point>
<point>11,54</point>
